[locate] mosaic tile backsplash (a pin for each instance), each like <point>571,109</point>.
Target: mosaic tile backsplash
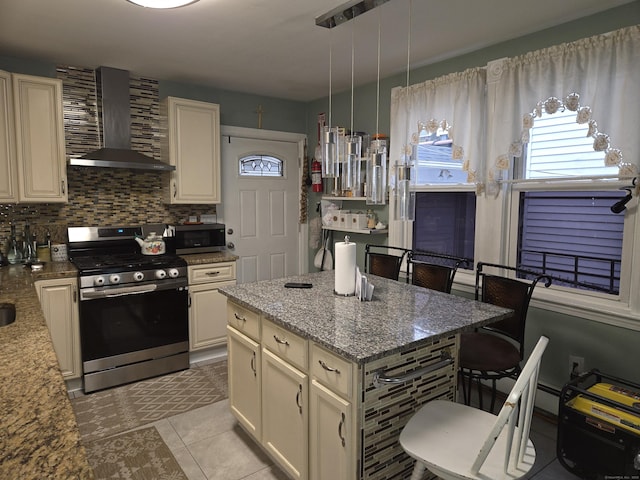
<point>99,196</point>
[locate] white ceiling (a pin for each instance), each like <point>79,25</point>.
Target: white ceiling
<point>269,47</point>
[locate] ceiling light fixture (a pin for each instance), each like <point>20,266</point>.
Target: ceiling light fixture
<point>346,12</point>
<point>162,3</point>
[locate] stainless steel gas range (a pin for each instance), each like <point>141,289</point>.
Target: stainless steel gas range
<point>133,307</point>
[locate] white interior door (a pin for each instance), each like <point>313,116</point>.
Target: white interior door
<point>261,212</point>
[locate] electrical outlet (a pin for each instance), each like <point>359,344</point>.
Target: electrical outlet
<point>576,366</point>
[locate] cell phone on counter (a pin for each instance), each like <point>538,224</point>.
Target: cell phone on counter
<point>298,285</point>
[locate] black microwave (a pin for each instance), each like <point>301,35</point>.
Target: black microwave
<point>201,238</point>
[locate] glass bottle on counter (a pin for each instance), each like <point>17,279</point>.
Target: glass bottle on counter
<point>14,253</point>
<point>29,253</point>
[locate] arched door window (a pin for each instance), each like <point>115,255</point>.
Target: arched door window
<point>261,166</point>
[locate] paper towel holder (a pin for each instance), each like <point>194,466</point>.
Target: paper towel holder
<point>335,292</point>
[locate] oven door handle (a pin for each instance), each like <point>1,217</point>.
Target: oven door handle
<point>120,292</point>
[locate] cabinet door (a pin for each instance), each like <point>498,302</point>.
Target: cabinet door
<point>8,168</point>
<point>244,380</point>
<point>194,148</point>
<point>59,301</point>
<point>207,315</point>
<point>330,439</point>
<point>284,414</point>
<point>40,147</point>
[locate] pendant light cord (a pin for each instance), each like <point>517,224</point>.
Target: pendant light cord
<point>378,83</point>
<point>353,39</point>
<point>330,75</point>
<point>409,43</point>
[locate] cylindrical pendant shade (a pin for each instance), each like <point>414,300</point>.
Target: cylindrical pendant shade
<point>330,160</point>
<point>351,168</point>
<point>376,175</point>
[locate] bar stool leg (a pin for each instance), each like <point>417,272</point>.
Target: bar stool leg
<point>418,471</point>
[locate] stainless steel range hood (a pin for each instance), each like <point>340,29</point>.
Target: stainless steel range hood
<point>114,112</point>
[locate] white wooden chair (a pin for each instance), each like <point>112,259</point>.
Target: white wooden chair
<point>456,441</point>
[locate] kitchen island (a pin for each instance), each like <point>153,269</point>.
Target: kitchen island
<point>326,383</point>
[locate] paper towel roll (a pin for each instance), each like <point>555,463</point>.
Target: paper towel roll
<point>345,261</point>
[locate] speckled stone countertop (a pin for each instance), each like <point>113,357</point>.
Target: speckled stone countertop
<point>39,436</point>
<point>399,316</point>
<point>203,258</point>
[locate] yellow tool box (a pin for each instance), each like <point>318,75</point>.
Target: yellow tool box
<point>599,427</point>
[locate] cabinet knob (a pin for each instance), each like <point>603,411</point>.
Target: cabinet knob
<point>229,231</point>
<point>231,245</point>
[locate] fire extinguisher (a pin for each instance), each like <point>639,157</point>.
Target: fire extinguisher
<point>316,176</point>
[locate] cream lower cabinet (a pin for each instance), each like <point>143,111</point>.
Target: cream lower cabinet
<point>207,306</point>
<point>332,434</point>
<point>245,377</point>
<point>59,301</point>
<point>285,414</point>
<point>294,397</point>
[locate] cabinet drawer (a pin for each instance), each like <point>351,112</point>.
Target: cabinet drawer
<point>331,370</point>
<point>244,320</point>
<point>285,344</point>
<point>212,272</point>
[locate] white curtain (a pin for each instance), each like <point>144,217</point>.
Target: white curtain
<point>457,99</point>
<point>603,70</point>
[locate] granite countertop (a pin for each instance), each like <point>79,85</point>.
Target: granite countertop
<point>215,257</point>
<point>399,316</point>
<point>39,435</point>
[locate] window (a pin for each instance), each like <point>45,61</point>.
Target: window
<point>434,162</point>
<point>573,236</point>
<point>561,147</point>
<point>570,234</point>
<point>445,223</point>
<point>261,166</point>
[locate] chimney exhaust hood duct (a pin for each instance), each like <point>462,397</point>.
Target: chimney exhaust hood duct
<point>114,113</point>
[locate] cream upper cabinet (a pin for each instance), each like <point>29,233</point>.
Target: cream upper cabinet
<point>39,133</point>
<point>59,301</point>
<point>191,143</point>
<point>8,167</point>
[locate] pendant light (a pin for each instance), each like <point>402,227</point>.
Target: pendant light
<point>351,174</point>
<point>404,198</point>
<point>376,174</point>
<point>330,137</point>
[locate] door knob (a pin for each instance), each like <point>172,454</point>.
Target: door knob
<point>231,246</point>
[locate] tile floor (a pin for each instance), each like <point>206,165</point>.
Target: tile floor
<point>209,445</point>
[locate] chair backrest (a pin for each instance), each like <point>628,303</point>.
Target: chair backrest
<point>516,411</point>
<point>385,264</point>
<point>508,293</point>
<point>433,270</point>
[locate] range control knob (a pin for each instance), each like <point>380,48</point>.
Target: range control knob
<point>160,274</point>
<point>174,273</point>
<point>138,276</point>
<point>115,278</point>
<point>98,281</point>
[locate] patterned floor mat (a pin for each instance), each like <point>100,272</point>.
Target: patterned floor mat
<point>109,412</point>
